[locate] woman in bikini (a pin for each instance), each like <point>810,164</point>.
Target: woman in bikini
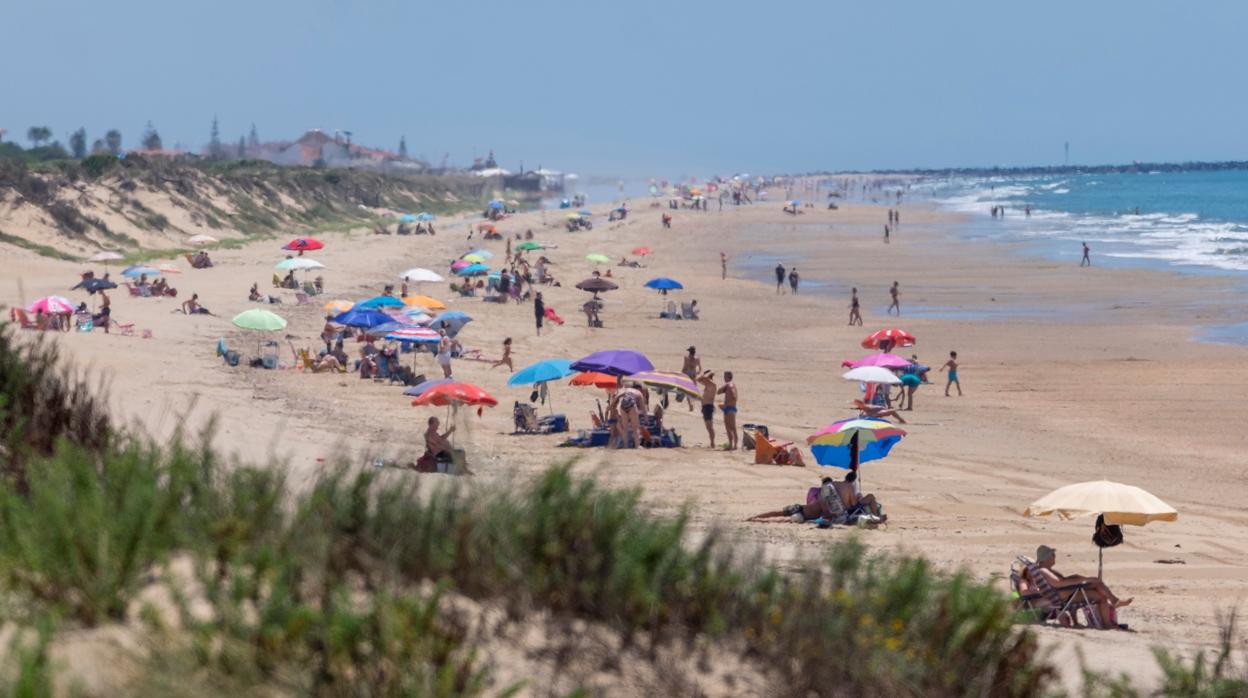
<point>506,360</point>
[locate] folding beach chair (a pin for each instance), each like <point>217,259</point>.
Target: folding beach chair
<point>1052,604</point>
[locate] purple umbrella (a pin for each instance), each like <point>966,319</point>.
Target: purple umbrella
<point>614,362</point>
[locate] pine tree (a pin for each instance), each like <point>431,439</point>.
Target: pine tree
<point>78,143</point>
<point>403,147</point>
<point>215,150</point>
<point>253,138</point>
<point>112,141</point>
<point>151,139</point>
<point>242,148</point>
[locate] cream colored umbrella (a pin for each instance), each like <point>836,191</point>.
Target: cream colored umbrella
<point>1120,505</point>
<point>201,239</point>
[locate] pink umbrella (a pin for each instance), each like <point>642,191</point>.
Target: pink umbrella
<point>52,305</point>
<point>460,264</point>
<point>881,360</point>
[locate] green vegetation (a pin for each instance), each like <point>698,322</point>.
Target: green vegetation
<point>357,584</point>
<point>44,250</point>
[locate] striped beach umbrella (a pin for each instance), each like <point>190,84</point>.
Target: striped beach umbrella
<point>837,443</point>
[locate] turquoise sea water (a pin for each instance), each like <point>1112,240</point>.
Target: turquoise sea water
<point>1188,220</point>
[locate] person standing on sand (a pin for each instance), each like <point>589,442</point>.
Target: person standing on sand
<point>895,292</point>
<point>729,391</point>
<point>707,381</point>
<point>692,367</point>
<point>779,278</point>
<point>952,365</point>
<point>723,264</point>
<point>794,279</point>
<point>855,312</point>
<point>886,234</point>
<point>1086,261</point>
<point>539,311</point>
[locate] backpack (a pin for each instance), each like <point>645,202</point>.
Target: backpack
<point>1106,535</point>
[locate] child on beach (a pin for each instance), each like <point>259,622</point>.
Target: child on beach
<point>952,365</point>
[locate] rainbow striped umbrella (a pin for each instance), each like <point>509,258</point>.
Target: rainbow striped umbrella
<point>52,305</point>
<point>422,335</point>
<point>836,443</point>
<point>667,380</point>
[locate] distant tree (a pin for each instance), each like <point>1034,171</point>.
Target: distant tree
<point>78,143</point>
<point>151,139</point>
<point>242,148</point>
<point>112,142</point>
<point>38,134</point>
<point>215,150</point>
<point>98,147</point>
<point>253,138</point>
<point>403,147</point>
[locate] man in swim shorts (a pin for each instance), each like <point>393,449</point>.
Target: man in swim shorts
<point>707,381</point>
<point>729,391</point>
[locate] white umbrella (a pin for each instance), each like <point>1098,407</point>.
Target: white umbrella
<point>296,263</point>
<point>201,239</point>
<point>872,374</point>
<point>419,275</point>
<point>105,256</point>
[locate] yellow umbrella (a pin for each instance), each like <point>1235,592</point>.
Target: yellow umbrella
<point>424,302</point>
<point>339,306</point>
<point>476,258</point>
<point>1120,504</point>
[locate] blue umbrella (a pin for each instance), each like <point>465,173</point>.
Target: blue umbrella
<point>473,270</point>
<point>425,216</point>
<point>408,218</point>
<point>380,302</point>
<point>614,362</point>
<point>363,317</point>
<point>495,204</point>
<point>136,270</point>
<point>418,390</point>
<point>664,284</point>
<point>542,371</point>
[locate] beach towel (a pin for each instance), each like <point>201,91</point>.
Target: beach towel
<point>552,316</point>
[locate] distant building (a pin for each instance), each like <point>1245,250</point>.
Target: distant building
<point>317,149</point>
<point>538,180</point>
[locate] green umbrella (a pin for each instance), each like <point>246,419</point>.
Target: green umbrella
<point>259,320</point>
<point>530,245</point>
<point>598,258</point>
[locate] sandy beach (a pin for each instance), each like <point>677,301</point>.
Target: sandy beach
<point>1069,374</point>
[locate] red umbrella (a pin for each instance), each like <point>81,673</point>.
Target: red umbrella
<point>455,394</point>
<point>893,338</point>
<point>597,380</point>
<point>303,244</point>
<point>643,251</point>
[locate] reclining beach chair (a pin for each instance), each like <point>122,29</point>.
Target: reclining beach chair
<point>20,317</point>
<point>1052,604</point>
<point>526,420</point>
<point>277,281</point>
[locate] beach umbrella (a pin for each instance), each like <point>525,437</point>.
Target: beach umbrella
<point>641,251</point>
<point>1120,505</point>
<point>303,245</point>
<point>92,286</point>
<point>882,360</point>
<point>472,270</point>
<point>421,388</point>
<point>362,317</point>
<point>495,205</point>
<point>419,275</point>
<point>892,337</point>
<point>572,216</point>
<point>460,264</point>
<point>259,320</point>
<point>472,257</point>
<point>667,380</point>
<point>616,362</point>
<point>455,394</point>
<point>136,270</point>
<point>424,302</point>
<point>378,302</point>
<point>596,380</point>
<point>483,254</point>
<point>452,321</point>
<point>416,316</point>
<point>201,239</point>
<point>420,335</point>
<point>855,440</point>
<point>52,305</point>
<point>542,371</point>
<point>407,218</point>
<point>298,263</point>
<point>871,374</point>
<point>664,284</point>
<point>425,217</point>
<point>529,245</point>
<point>169,269</point>
<point>596,285</point>
<point>339,306</point>
<point>598,258</point>
<point>106,256</point>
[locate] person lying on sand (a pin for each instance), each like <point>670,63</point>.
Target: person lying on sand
<point>1099,594</point>
<point>822,502</point>
<point>328,362</point>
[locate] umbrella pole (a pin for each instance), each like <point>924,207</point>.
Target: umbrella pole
<point>853,458</point>
<point>1100,561</point>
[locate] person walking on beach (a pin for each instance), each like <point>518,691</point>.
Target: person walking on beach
<point>539,311</point>
<point>855,312</point>
<point>729,407</point>
<point>895,292</point>
<point>779,278</point>
<point>794,279</point>
<point>723,265</point>
<point>1086,261</point>
<point>952,365</point>
<point>886,234</point>
<point>692,367</point>
<point>707,381</point>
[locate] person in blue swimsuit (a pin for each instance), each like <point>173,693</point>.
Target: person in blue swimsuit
<point>952,365</point>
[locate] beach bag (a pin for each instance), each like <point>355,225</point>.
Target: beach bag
<point>1106,535</point>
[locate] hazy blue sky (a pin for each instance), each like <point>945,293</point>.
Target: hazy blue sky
<point>648,87</point>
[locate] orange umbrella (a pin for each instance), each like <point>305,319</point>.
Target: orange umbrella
<point>455,394</point>
<point>425,302</point>
<point>605,381</point>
